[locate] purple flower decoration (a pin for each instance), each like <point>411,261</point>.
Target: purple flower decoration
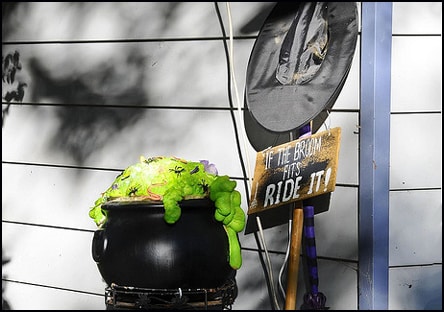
<point>209,168</point>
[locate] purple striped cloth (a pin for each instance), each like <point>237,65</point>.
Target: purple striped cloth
<point>313,300</point>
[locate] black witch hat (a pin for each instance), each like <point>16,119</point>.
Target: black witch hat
<point>297,68</point>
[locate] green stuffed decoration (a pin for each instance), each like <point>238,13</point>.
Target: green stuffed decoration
<point>171,180</point>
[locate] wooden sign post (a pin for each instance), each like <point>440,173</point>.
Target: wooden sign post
<point>295,251</point>
<point>290,173</point>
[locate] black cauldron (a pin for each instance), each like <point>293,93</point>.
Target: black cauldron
<point>137,248</point>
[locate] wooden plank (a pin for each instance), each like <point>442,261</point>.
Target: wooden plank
<point>295,252</point>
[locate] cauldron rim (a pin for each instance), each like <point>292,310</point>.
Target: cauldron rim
<point>118,204</point>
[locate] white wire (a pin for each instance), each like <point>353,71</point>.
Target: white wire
<point>269,269</point>
<point>284,264</point>
<point>234,83</point>
<point>244,137</point>
<point>327,127</point>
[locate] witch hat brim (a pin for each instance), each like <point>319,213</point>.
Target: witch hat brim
<point>261,138</point>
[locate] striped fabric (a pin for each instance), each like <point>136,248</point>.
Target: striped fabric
<point>313,300</point>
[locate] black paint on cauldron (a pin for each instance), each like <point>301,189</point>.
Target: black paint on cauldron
<point>138,248</point>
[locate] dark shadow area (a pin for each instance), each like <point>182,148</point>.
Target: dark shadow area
<point>8,19</point>
<point>256,22</point>
<point>82,129</point>
<point>280,215</point>
<point>85,129</point>
<point>12,90</point>
<point>5,303</point>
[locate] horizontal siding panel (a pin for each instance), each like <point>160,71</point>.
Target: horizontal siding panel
<point>415,227</point>
<point>137,20</point>
<point>340,219</point>
<point>347,171</point>
<point>190,73</point>
<point>337,281</point>
<point>189,134</point>
<point>250,280</point>
<point>337,228</point>
<point>417,17</point>
<point>62,259</point>
<point>415,151</point>
<point>30,297</point>
<point>247,17</point>
<point>58,197</point>
<point>348,98</point>
<point>416,76</point>
<point>276,237</point>
<point>416,288</point>
<point>113,20</point>
<point>52,196</point>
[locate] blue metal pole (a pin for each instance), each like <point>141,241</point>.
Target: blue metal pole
<point>374,155</point>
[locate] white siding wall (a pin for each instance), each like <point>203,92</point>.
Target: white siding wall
<point>59,154</point>
<point>415,275</point>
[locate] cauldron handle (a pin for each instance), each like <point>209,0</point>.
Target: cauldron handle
<point>99,245</point>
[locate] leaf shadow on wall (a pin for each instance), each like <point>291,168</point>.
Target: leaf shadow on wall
<point>117,79</point>
<point>83,128</point>
<point>5,303</point>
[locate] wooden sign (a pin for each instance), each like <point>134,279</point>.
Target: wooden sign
<point>296,170</point>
